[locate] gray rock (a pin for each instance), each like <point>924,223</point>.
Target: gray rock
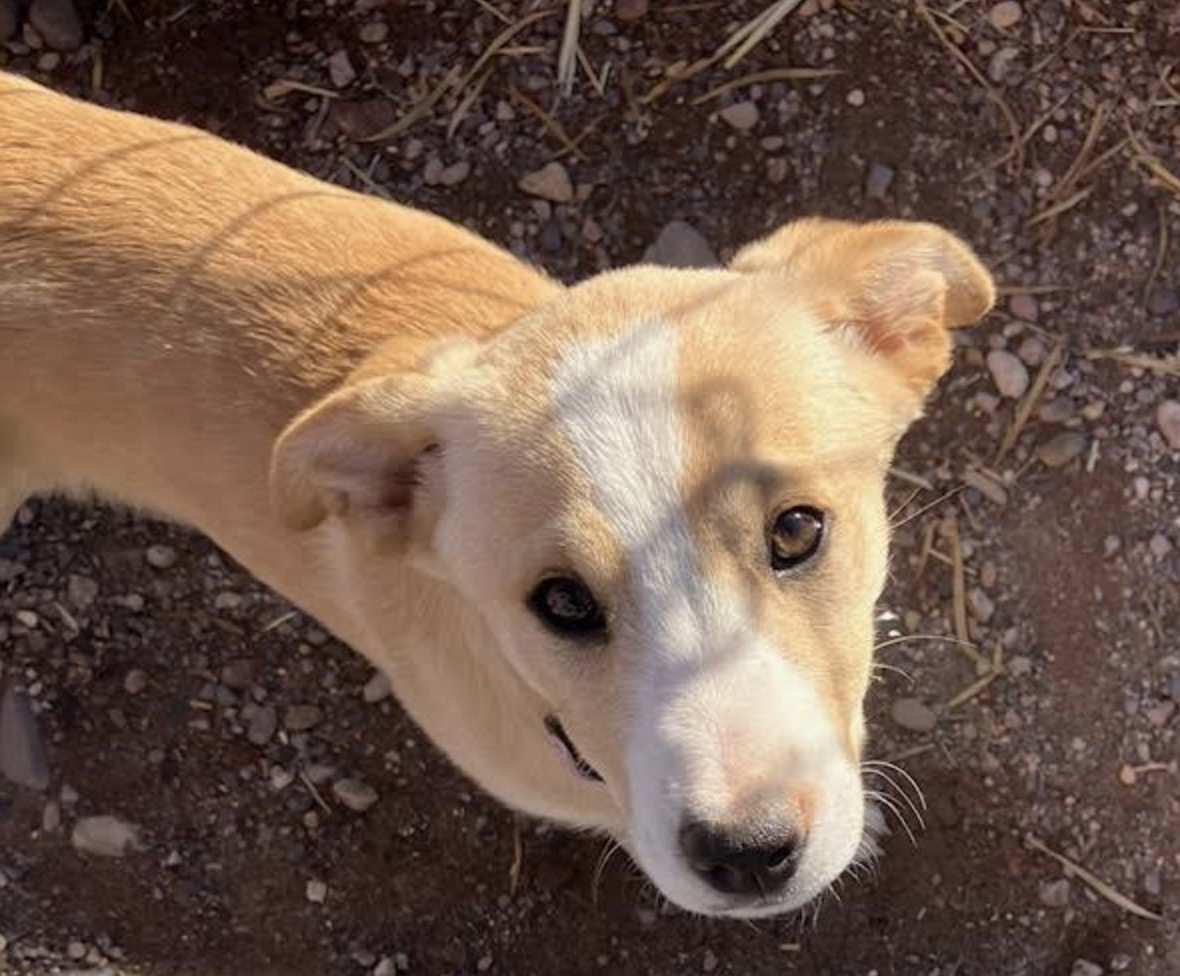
<point>355,794</point>
<point>630,10</point>
<point>1055,894</point>
<point>386,967</point>
<point>161,556</point>
<point>374,33</point>
<point>340,69</point>
<point>300,718</point>
<point>914,715</point>
<point>1163,301</point>
<point>1024,307</point>
<point>9,21</point>
<point>238,674</point>
<point>1083,967</point>
<point>879,180</point>
<point>1059,450</point>
<point>263,723</point>
<point>680,245</point>
<point>1167,418</point>
<point>82,591</point>
<point>135,681</point>
<point>1005,14</point>
<point>1008,373</point>
<point>550,182</point>
<point>58,23</point>
<point>105,836</point>
<point>376,688</point>
<point>22,753</point>
<point>743,116</point>
<point>981,605</point>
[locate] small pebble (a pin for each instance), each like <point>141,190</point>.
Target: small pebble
<point>1159,545</point>
<point>161,556</point>
<point>630,10</point>
<point>1005,14</point>
<point>550,182</point>
<point>742,117</point>
<point>374,33</point>
<point>455,174</point>
<point>1008,373</point>
<point>981,605</point>
<point>1167,418</point>
<point>376,688</point>
<point>1023,307</point>
<point>22,752</point>
<point>317,891</point>
<point>1031,351</point>
<point>355,794</point>
<point>300,718</point>
<point>1059,450</point>
<point>878,181</point>
<point>58,23</point>
<point>51,817</point>
<point>238,674</point>
<point>855,98</point>
<point>263,725</point>
<point>82,591</point>
<point>1055,894</point>
<point>1083,967</point>
<point>912,714</point>
<point>1163,301</point>
<point>340,69</point>
<point>386,967</point>
<point>135,681</point>
<point>680,245</point>
<point>709,963</point>
<point>105,836</point>
<point>76,950</point>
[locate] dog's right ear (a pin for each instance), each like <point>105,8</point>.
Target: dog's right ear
<point>356,455</point>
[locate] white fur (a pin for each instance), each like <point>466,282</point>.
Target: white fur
<point>713,699</point>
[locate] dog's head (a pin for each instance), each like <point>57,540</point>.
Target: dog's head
<point>662,492</point>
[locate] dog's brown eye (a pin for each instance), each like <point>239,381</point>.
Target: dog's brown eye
<point>795,537</point>
<point>568,607</point>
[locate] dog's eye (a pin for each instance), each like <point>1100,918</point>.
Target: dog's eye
<point>795,537</point>
<point>568,607</point>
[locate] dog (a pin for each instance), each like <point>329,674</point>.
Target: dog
<point>616,545</point>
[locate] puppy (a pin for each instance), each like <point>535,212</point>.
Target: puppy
<point>616,545</point>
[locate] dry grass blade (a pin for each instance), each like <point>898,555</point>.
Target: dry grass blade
<point>660,89</point>
<point>422,108</point>
<point>1030,401</point>
<point>1015,152</point>
<point>959,588</point>
<point>1160,175</point>
<point>567,55</point>
<point>1009,290</point>
<point>285,86</point>
<point>1112,895</point>
<point>517,859</point>
<point>495,11</point>
<point>901,474</point>
<point>465,104</point>
<point>364,178</point>
<point>763,77</point>
<point>1161,253</point>
<point>974,689</point>
<point>1093,134</point>
<point>552,126</point>
<point>1057,209</point>
<point>279,621</point>
<point>1164,365</point>
<point>749,36</point>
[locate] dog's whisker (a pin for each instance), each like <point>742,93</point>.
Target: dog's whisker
<point>884,763</point>
<point>903,794</point>
<point>882,666</point>
<point>888,803</point>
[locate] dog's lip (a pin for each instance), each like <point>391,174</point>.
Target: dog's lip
<point>559,735</point>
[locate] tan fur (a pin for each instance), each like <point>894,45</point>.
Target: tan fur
<point>355,400</point>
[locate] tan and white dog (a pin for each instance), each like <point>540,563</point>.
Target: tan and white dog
<point>617,546</point>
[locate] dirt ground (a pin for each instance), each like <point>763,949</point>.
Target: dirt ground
<point>153,664</point>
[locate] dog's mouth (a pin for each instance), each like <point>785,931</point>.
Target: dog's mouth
<point>569,751</point>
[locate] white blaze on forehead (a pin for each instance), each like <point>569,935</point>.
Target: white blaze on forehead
<point>618,406</point>
<point>708,678</point>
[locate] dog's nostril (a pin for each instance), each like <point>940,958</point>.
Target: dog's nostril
<point>757,860</point>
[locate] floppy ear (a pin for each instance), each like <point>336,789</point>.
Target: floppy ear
<point>356,454</point>
<point>893,288</point>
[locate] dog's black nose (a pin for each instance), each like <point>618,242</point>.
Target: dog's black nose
<point>755,860</point>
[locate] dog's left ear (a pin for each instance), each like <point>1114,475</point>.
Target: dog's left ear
<point>893,288</point>
<point>363,455</point>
